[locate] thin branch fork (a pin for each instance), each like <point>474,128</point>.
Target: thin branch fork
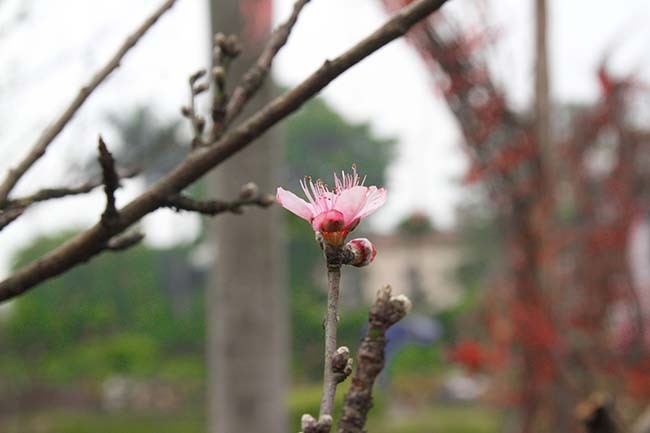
<point>41,145</point>
<point>91,242</point>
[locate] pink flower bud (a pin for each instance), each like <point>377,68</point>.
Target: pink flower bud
<point>363,252</point>
<point>329,222</point>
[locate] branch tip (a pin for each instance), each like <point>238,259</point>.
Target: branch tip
<point>110,180</point>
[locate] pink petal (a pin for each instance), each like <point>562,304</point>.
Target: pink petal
<point>350,202</point>
<point>295,204</point>
<point>375,199</point>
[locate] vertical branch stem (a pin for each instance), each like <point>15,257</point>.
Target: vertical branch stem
<point>331,322</point>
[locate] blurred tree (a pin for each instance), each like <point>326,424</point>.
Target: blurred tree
<point>147,143</point>
<point>320,142</point>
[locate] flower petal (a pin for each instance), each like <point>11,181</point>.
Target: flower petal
<point>350,202</point>
<point>375,199</point>
<point>295,204</point>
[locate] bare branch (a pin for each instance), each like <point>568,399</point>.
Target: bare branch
<point>331,322</point>
<point>385,312</point>
<point>215,207</point>
<point>111,183</point>
<point>39,148</point>
<point>254,77</point>
<point>91,242</point>
<point>10,215</point>
<point>54,193</point>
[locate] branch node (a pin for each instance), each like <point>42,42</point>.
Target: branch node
<point>341,364</point>
<point>111,183</point>
<point>309,424</point>
<point>249,191</point>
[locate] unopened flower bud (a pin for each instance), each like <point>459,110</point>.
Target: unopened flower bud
<point>403,301</point>
<point>219,39</point>
<point>267,200</point>
<point>362,252</point>
<point>219,75</point>
<point>196,76</point>
<point>307,421</point>
<point>249,190</point>
<point>200,88</point>
<point>329,222</point>
<point>200,123</point>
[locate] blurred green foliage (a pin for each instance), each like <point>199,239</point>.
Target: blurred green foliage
<point>417,359</point>
<point>320,142</point>
<point>114,315</point>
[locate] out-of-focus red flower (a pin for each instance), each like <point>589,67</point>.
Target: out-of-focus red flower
<point>469,354</point>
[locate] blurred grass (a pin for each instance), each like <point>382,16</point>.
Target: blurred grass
<point>439,419</point>
<point>428,419</point>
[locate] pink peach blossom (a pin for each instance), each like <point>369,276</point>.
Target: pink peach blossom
<point>334,211</point>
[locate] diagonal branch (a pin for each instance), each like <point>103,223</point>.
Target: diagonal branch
<point>39,148</point>
<point>10,215</point>
<point>255,76</point>
<point>91,242</point>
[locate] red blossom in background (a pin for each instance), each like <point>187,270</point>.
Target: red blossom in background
<point>471,355</point>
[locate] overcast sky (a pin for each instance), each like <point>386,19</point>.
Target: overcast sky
<point>55,46</point>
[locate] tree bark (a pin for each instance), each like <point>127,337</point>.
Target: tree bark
<point>247,300</point>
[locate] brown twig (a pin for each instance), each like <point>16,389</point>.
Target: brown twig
<point>385,312</point>
<point>10,215</point>
<point>16,207</point>
<point>196,120</point>
<point>331,323</point>
<point>92,241</point>
<point>111,183</point>
<point>55,193</point>
<point>39,148</point>
<point>215,207</point>
<point>254,77</point>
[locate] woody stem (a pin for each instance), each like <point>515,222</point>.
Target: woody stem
<point>331,322</point>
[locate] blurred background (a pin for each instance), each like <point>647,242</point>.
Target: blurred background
<point>512,137</point>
